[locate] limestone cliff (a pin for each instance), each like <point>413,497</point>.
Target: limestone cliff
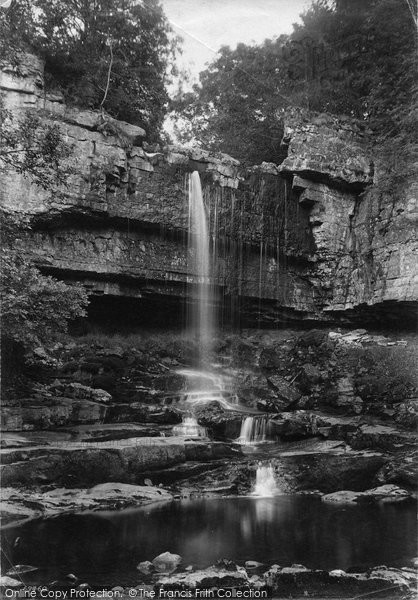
<point>308,239</point>
<point>365,237</point>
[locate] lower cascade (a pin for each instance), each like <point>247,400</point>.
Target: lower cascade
<point>190,428</point>
<point>254,430</point>
<point>265,482</point>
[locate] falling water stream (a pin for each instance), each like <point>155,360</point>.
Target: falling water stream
<point>189,427</point>
<point>254,430</point>
<point>203,385</point>
<point>267,525</point>
<point>265,482</point>
<point>201,312</point>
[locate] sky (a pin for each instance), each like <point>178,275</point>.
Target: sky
<point>206,25</point>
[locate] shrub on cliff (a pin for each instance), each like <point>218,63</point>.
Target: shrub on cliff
<point>36,150</point>
<point>111,54</point>
<point>35,307</point>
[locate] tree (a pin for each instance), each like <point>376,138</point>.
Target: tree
<point>373,44</point>
<point>112,54</point>
<point>352,57</point>
<point>35,307</point>
<point>29,147</point>
<point>372,47</point>
<point>233,109</point>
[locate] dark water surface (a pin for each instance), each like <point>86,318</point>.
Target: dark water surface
<point>105,547</point>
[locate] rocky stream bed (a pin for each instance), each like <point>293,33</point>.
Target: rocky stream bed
<point>91,430</point>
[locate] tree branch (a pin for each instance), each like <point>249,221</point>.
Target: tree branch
<point>108,75</point>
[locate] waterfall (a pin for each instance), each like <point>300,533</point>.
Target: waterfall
<point>189,428</point>
<point>254,430</point>
<point>265,482</point>
<point>200,317</point>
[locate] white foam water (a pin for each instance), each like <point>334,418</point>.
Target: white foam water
<point>265,482</point>
<point>254,430</point>
<point>205,387</point>
<point>190,428</point>
<point>201,312</point>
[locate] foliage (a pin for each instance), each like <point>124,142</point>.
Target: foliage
<point>383,373</point>
<point>33,149</point>
<point>233,109</point>
<point>11,39</point>
<point>352,57</point>
<point>370,75</point>
<point>368,49</point>
<point>112,54</point>
<point>35,307</point>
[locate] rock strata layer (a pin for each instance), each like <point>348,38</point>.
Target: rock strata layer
<point>310,237</point>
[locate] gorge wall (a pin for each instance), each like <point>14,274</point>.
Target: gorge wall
<point>310,239</point>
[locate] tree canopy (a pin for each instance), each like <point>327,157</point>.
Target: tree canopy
<point>35,307</point>
<point>233,108</point>
<point>33,149</point>
<point>352,57</point>
<point>111,54</point>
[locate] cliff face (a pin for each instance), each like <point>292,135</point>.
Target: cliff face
<point>366,241</point>
<point>309,238</point>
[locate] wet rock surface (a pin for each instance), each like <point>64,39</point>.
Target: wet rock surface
<point>166,562</point>
<point>340,412</point>
<point>384,493</point>
<point>306,384</point>
<point>335,220</point>
<point>20,503</point>
<point>75,464</point>
<point>283,582</point>
<point>341,405</point>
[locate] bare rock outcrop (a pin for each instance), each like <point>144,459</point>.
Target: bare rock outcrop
<point>312,238</point>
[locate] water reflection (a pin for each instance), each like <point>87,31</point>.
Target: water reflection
<point>283,529</point>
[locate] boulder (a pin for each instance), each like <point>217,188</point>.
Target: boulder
<point>335,151</point>
<point>166,562</point>
<point>49,413</point>
<point>104,496</point>
<point>212,577</point>
<point>89,464</point>
<point>269,359</point>
<point>312,338</point>
<point>252,388</point>
<point>116,351</point>
<point>297,581</point>
<point>383,437</point>
<point>283,389</point>
<point>297,425</point>
<point>225,563</point>
<point>272,405</point>
<point>406,413</point>
<point>310,375</point>
<point>343,497</point>
<point>146,567</point>
<point>244,353</point>
<point>329,469</point>
<point>79,392</point>
<point>19,570</point>
<point>399,578</point>
<point>384,493</point>
<point>9,582</point>
<point>252,565</point>
<point>401,469</point>
<point>346,396</point>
